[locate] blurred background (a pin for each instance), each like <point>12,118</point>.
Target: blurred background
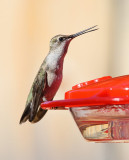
<point>26,27</point>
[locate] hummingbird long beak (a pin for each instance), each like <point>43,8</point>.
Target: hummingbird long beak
<point>83,32</point>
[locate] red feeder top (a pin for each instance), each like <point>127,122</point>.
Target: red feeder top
<point>100,91</point>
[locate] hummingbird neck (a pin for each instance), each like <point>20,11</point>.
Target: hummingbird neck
<point>55,59</point>
<point>56,56</point>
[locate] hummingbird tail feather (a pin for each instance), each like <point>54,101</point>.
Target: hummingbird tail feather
<point>40,114</point>
<point>25,114</point>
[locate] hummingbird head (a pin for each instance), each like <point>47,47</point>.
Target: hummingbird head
<point>61,42</point>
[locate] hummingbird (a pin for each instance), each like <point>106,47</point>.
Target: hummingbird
<point>49,77</point>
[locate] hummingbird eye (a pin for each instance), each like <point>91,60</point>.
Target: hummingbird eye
<point>61,39</point>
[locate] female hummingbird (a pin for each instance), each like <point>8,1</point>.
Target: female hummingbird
<point>49,77</point>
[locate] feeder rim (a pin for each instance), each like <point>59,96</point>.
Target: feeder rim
<point>91,102</point>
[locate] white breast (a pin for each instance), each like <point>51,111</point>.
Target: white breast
<point>51,77</point>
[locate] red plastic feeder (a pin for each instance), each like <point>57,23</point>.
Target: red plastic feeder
<point>100,108</point>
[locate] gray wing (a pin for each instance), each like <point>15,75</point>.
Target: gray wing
<point>35,98</point>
